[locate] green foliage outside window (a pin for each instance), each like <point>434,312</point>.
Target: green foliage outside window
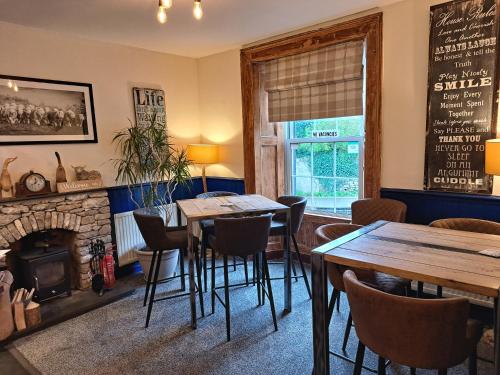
<point>330,159</point>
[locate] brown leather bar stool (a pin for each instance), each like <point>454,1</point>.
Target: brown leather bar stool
<point>159,239</point>
<point>242,237</point>
<point>467,225</point>
<point>367,211</point>
<point>378,280</point>
<point>278,228</point>
<point>207,229</point>
<point>419,333</point>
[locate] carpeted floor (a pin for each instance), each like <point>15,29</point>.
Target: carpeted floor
<point>113,340</point>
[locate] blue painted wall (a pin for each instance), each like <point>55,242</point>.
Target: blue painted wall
<point>423,206</point>
<point>120,201</point>
<point>427,206</point>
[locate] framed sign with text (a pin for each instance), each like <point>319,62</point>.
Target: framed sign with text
<point>462,94</point>
<point>148,103</point>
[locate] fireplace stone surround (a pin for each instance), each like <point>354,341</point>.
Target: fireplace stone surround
<point>85,213</point>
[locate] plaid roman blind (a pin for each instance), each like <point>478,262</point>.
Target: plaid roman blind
<point>320,84</point>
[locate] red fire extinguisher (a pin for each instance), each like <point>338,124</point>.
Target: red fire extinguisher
<point>108,269</point>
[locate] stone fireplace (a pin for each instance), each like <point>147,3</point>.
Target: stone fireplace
<point>86,214</point>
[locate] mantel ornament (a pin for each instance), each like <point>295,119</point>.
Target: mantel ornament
<point>6,187</point>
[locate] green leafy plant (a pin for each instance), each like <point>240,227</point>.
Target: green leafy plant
<point>149,160</point>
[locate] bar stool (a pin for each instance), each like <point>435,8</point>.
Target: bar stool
<point>279,228</point>
<point>418,333</point>
<point>161,239</point>
<point>242,237</point>
<point>365,212</point>
<point>378,280</point>
<point>462,224</point>
<point>207,229</point>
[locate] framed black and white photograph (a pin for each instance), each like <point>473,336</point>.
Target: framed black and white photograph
<point>34,111</point>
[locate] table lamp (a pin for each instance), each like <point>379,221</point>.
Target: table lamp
<point>493,157</point>
<point>203,154</point>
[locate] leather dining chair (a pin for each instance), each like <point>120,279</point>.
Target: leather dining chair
<point>242,237</point>
<point>413,332</point>
<point>364,212</point>
<point>378,280</point>
<point>278,228</point>
<point>207,229</point>
<point>160,239</point>
<point>368,211</point>
<point>467,225</point>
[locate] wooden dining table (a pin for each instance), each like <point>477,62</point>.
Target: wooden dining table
<point>438,256</point>
<point>198,209</point>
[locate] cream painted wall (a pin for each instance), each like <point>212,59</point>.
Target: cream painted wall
<point>113,70</point>
<point>220,110</point>
<point>404,94</point>
<point>203,97</point>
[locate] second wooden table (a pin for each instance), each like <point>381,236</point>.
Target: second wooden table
<point>210,208</point>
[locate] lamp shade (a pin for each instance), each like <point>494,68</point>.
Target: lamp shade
<point>203,154</point>
<point>493,157</point>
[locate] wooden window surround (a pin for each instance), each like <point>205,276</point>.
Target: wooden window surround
<point>263,141</point>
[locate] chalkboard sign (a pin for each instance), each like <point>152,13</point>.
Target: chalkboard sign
<point>462,94</point>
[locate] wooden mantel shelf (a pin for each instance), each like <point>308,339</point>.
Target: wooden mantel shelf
<point>49,195</point>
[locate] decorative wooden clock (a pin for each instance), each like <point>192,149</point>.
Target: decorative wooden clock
<point>32,183</point>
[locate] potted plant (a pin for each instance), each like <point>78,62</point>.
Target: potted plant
<point>152,168</point>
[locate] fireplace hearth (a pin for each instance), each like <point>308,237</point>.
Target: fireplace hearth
<point>82,216</point>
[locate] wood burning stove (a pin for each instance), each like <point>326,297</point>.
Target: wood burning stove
<point>47,270</point>
<point>42,261</point>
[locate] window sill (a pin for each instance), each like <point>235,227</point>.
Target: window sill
<point>325,218</point>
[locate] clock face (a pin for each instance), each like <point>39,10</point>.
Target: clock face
<point>35,182</point>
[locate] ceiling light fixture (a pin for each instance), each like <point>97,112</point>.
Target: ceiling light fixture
<point>162,12</point>
<point>167,4</point>
<point>197,10</point>
<point>163,5</point>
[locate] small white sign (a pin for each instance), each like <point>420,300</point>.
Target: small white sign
<point>353,148</point>
<point>324,133</point>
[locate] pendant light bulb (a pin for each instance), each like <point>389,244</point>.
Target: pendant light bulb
<point>167,4</point>
<point>10,84</point>
<point>16,89</point>
<point>162,14</point>
<point>197,10</point>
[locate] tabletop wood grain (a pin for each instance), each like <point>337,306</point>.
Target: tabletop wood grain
<point>198,209</point>
<point>439,256</point>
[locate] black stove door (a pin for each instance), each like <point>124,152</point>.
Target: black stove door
<point>49,275</point>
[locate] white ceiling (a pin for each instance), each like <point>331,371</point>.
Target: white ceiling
<point>226,24</point>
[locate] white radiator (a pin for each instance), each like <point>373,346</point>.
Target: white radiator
<point>128,236</point>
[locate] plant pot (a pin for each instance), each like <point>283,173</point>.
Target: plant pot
<point>168,264</point>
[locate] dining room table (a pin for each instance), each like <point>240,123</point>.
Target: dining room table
<point>462,261</point>
<point>195,210</point>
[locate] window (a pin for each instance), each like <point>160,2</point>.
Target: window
<point>325,163</point>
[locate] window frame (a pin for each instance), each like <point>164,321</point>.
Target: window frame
<point>310,140</point>
<point>367,28</point>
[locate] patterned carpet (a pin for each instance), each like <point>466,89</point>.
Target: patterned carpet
<point>113,340</point>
